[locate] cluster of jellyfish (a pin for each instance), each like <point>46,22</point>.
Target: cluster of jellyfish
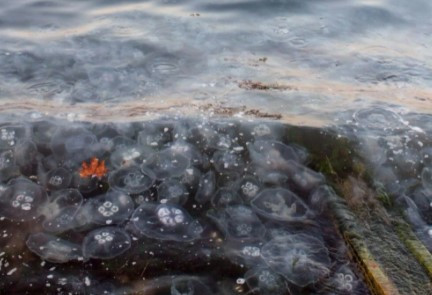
<point>186,207</point>
<point>398,147</point>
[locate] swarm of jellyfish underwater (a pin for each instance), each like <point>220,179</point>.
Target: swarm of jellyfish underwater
<point>170,206</point>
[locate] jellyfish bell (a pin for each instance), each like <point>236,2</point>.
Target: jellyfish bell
<point>377,118</point>
<point>246,253</point>
<point>238,222</point>
<point>113,207</point>
<point>126,152</point>
<point>280,204</point>
<point>225,197</point>
<point>172,191</point>
<point>42,132</point>
<point>344,279</point>
<point>264,280</point>
<point>53,249</point>
<point>302,259</point>
<point>167,164</point>
<point>228,162</point>
<point>131,179</point>
<point>302,178</point>
<point>26,156</point>
<point>10,135</point>
<point>8,168</point>
<point>248,188</point>
<point>21,200</point>
<point>206,187</point>
<point>166,222</point>
<point>56,179</point>
<point>156,134</point>
<point>60,210</point>
<point>106,243</point>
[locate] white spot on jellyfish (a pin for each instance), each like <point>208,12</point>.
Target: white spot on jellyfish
<point>170,216</point>
<point>52,248</point>
<point>251,251</point>
<point>106,243</point>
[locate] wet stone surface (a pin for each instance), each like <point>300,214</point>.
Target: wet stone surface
<point>190,207</point>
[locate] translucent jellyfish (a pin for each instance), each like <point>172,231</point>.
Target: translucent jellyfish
<point>20,201</point>
<point>106,243</point>
<point>344,280</point>
<point>53,249</point>
<point>156,134</point>
<point>172,191</point>
<point>300,258</point>
<point>238,222</point>
<point>228,162</point>
<point>10,135</point>
<point>280,204</point>
<point>43,131</point>
<point>185,285</point>
<point>26,155</point>
<point>225,197</point>
<point>272,155</point>
<point>166,222</point>
<point>320,198</point>
<point>241,252</point>
<point>249,187</point>
<point>190,178</point>
<point>167,164</point>
<point>113,207</point>
<point>303,178</point>
<point>127,152</point>
<point>206,187</point>
<point>131,179</point>
<point>57,178</point>
<point>73,145</point>
<point>263,280</point>
<point>61,209</point>
<point>8,168</point>
<point>377,118</point>
<point>189,151</point>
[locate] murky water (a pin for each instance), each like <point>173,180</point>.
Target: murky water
<point>361,68</point>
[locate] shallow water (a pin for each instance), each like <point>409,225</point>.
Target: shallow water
<point>361,68</point>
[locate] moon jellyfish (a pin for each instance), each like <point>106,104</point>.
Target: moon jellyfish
<point>300,258</point>
<point>8,168</point>
<point>320,197</point>
<point>189,286</point>
<point>43,131</point>
<point>20,201</point>
<point>244,252</point>
<point>53,249</point>
<point>10,136</point>
<point>344,280</point>
<point>238,222</point>
<point>272,155</point>
<point>249,187</point>
<point>106,243</point>
<point>26,155</point>
<point>172,191</point>
<point>377,119</point>
<point>303,178</point>
<point>127,152</point>
<point>61,209</point>
<point>280,204</point>
<point>57,178</point>
<point>228,162</point>
<point>131,179</point>
<point>206,187</point>
<point>73,145</point>
<point>166,222</point>
<point>190,178</point>
<point>112,207</point>
<point>156,134</point>
<point>167,164</point>
<point>265,281</point>
<point>225,197</point>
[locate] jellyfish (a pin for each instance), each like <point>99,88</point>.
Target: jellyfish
<point>272,155</point>
<point>43,131</point>
<point>57,178</point>
<point>167,164</point>
<point>73,145</point>
<point>206,187</point>
<point>10,135</point>
<point>26,156</point>
<point>228,162</point>
<point>60,210</point>
<point>172,191</point>
<point>320,198</point>
<point>21,200</point>
<point>190,178</point>
<point>156,134</point>
<point>189,151</point>
<point>166,222</point>
<point>302,178</point>
<point>238,222</point>
<point>8,168</point>
<point>248,188</point>
<point>131,179</point>
<point>106,243</point>
<point>126,152</point>
<point>280,204</point>
<point>263,280</point>
<point>264,131</point>
<point>246,253</point>
<point>377,118</point>
<point>113,207</point>
<point>53,249</point>
<point>225,197</point>
<point>302,259</point>
<point>344,280</point>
